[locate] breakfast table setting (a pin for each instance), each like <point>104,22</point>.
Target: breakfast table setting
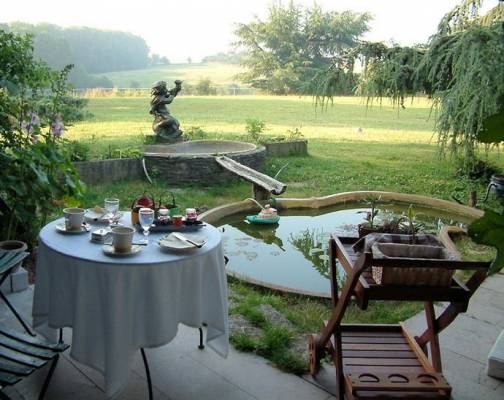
<point>124,281</point>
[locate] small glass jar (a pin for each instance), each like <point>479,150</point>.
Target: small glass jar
<point>191,215</point>
<point>177,220</point>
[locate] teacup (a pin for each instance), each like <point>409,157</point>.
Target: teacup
<point>122,237</point>
<point>74,218</point>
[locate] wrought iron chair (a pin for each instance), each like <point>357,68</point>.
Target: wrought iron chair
<point>21,355</point>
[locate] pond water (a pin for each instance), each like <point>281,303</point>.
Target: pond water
<point>293,253</point>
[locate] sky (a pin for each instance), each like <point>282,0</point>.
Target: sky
<point>196,28</point>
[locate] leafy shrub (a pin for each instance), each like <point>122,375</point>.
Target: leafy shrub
<point>75,150</point>
<point>243,342</point>
<point>37,174</point>
<point>254,128</point>
<point>149,139</point>
<point>294,134</point>
<point>204,87</point>
<point>129,152</point>
<point>195,133</point>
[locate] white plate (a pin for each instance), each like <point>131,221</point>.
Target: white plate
<point>110,251</point>
<point>62,228</point>
<point>98,217</point>
<point>170,242</point>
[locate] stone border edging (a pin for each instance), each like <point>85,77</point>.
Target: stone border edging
<point>110,170</point>
<point>215,214</point>
<point>287,148</point>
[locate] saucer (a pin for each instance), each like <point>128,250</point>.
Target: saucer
<point>62,228</point>
<point>110,251</point>
<point>98,217</point>
<point>170,242</point>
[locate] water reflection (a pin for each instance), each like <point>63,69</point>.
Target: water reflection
<point>313,245</point>
<point>294,252</point>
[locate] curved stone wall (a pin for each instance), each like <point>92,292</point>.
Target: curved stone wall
<point>193,168</point>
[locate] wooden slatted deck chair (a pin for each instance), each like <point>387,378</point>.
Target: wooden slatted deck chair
<point>21,355</point>
<point>8,261</point>
<point>385,361</point>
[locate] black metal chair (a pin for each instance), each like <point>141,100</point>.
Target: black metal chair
<point>21,355</point>
<point>8,261</point>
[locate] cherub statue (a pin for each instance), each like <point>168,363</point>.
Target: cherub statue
<point>165,125</point>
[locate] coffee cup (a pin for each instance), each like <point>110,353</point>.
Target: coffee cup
<point>122,237</point>
<point>74,218</point>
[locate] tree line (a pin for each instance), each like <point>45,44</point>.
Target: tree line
<point>284,52</point>
<point>91,50</point>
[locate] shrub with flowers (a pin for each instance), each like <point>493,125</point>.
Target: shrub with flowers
<point>36,174</point>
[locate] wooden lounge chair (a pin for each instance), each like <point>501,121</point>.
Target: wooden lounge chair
<point>385,361</point>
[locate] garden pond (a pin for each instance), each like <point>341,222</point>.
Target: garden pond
<point>293,254</point>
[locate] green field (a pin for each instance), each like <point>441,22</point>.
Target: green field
<point>219,74</point>
<point>395,151</point>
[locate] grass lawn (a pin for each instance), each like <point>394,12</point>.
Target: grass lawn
<point>219,74</point>
<point>394,152</point>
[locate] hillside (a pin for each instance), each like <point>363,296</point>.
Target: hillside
<point>219,74</point>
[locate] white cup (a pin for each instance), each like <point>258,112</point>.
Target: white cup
<point>74,218</point>
<point>122,237</point>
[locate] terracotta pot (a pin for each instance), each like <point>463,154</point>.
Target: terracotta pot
<point>16,246</point>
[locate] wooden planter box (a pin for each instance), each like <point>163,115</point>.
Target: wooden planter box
<point>287,148</point>
<point>411,276</point>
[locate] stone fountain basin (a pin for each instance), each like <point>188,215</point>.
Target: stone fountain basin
<point>193,162</point>
<point>200,147</point>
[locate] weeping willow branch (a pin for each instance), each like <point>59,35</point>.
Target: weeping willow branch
<point>461,70</point>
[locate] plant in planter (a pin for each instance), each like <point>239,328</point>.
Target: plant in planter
<point>369,226</point>
<point>15,246</point>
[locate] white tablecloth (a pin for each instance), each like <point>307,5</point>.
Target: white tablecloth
<point>118,305</point>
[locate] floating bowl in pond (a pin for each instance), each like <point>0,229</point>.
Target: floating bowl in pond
<point>193,162</point>
<point>292,256</point>
<point>255,219</point>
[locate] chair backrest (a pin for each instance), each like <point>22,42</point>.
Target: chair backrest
<point>9,259</point>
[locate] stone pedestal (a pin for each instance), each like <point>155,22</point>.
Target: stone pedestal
<point>15,282</point>
<point>155,139</point>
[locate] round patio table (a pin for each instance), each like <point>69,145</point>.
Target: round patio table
<point>118,305</point>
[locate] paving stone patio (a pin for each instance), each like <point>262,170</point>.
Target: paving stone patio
<point>181,371</point>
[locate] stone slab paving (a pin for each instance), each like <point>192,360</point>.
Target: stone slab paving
<point>179,371</point>
<point>465,345</point>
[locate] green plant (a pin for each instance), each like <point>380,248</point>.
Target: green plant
<point>36,172</point>
<point>129,152</point>
<point>148,139</point>
<point>195,133</point>
<point>243,342</point>
<point>371,201</point>
<point>255,127</point>
<point>204,87</point>
<point>75,150</point>
<point>413,225</point>
<point>460,69</point>
<point>294,134</point>
<point>489,229</point>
